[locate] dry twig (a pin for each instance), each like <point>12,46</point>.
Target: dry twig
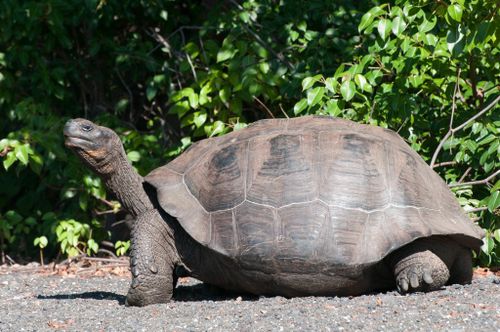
<point>264,106</point>
<point>283,111</point>
<point>467,171</point>
<point>445,163</point>
<point>478,209</point>
<point>472,183</point>
<point>462,126</point>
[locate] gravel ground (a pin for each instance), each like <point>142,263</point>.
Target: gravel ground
<point>34,302</point>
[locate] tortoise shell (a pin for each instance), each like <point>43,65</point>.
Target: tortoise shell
<point>311,189</point>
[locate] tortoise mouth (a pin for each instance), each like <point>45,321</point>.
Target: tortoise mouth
<point>76,142</point>
<point>73,138</point>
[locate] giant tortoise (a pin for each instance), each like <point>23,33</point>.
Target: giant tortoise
<point>291,207</point>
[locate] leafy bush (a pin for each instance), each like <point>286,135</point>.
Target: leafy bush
<point>165,73</point>
<point>431,73</point>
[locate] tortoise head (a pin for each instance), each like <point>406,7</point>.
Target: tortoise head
<point>99,147</point>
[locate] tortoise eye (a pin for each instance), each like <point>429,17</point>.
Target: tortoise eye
<point>87,128</point>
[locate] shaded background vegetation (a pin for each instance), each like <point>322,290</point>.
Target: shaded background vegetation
<point>166,73</point>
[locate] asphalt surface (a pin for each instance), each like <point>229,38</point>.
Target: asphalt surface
<point>35,302</point>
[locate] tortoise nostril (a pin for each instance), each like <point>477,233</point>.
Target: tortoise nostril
<point>87,128</point>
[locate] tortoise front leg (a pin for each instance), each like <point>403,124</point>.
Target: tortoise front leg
<point>152,261</point>
<point>429,264</point>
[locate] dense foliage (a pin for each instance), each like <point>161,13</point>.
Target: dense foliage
<point>166,73</point>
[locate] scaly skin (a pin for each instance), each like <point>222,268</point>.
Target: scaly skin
<point>430,263</point>
<point>152,261</point>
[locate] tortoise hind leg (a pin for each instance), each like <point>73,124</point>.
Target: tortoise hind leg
<point>152,261</point>
<point>461,271</point>
<point>429,264</point>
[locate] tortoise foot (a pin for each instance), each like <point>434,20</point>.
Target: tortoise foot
<point>426,264</point>
<point>150,291</point>
<point>421,272</point>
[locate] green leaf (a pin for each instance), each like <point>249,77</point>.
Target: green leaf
<point>239,125</point>
<point>482,35</point>
<point>496,186</point>
<point>427,25</point>
<point>430,39</point>
<point>487,139</point>
<point>227,51</point>
<point>496,235</point>
<point>309,81</point>
<point>416,81</point>
<point>193,100</point>
<point>41,242</point>
<point>488,245</point>
<point>22,153</point>
<point>204,97</point>
<point>494,201</point>
<point>164,15</point>
<point>494,147</point>
<point>72,252</point>
<point>362,83</point>
<point>92,246</point>
<point>455,40</point>
<point>159,79</point>
<point>217,128</point>
<point>4,143</point>
<point>398,25</point>
<point>339,72</point>
<point>13,217</point>
<point>225,94</point>
<point>151,92</point>
<point>300,106</point>
<point>348,89</point>
<point>179,108</point>
<point>368,17</point>
<point>315,95</point>
<point>455,11</point>
<point>134,156</point>
<point>331,84</point>
<point>477,127</point>
<point>384,28</point>
<point>83,200</point>
<point>11,158</point>
<point>488,166</point>
<point>264,67</point>
<point>332,107</point>
<point>199,118</point>
<point>121,105</point>
<point>469,145</point>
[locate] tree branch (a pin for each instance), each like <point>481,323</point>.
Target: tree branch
<point>467,171</point>
<point>130,94</point>
<point>264,106</point>
<point>5,150</point>
<point>478,209</point>
<point>454,130</point>
<point>283,111</point>
<point>472,183</point>
<point>192,67</point>
<point>454,98</point>
<point>444,163</point>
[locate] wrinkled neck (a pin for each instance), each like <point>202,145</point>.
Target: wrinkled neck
<point>127,185</point>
